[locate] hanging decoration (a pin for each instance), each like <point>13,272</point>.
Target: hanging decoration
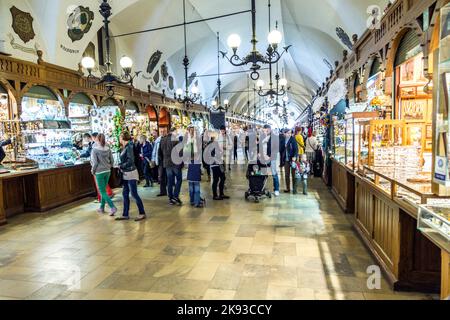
<point>318,103</point>
<point>118,129</point>
<point>79,22</point>
<point>22,24</point>
<point>337,92</point>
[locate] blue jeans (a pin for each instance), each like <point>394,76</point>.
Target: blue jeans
<point>276,179</point>
<point>174,187</point>
<point>131,185</point>
<point>194,193</point>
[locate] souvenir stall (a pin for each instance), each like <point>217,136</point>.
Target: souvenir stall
<point>80,107</point>
<point>185,119</point>
<point>104,120</point>
<point>44,171</point>
<point>197,122</point>
<point>164,121</point>
<point>175,118</point>
<point>46,132</point>
<point>153,118</point>
<point>394,175</point>
<point>136,123</point>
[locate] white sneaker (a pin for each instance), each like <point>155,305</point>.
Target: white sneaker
<point>277,193</point>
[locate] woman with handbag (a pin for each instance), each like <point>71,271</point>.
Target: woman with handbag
<point>130,178</point>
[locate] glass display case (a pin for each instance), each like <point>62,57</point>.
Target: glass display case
<point>393,157</point>
<point>352,136</point>
<point>339,139</point>
<point>80,118</point>
<point>49,143</point>
<point>46,133</point>
<point>434,221</point>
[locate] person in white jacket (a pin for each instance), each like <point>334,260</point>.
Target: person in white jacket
<point>311,146</point>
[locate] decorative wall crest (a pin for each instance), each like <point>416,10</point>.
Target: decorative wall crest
<point>79,22</point>
<point>22,24</point>
<point>344,38</point>
<point>153,62</point>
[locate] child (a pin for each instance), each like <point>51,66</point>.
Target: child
<point>302,170</point>
<point>194,175</point>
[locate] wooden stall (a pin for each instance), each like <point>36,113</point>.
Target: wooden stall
<point>388,226</point>
<point>41,190</point>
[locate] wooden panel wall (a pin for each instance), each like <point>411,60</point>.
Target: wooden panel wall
<point>340,184</point>
<point>409,259</point>
<point>386,232</point>
<point>377,221</point>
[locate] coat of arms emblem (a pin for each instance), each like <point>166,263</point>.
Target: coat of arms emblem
<point>79,22</point>
<point>22,24</point>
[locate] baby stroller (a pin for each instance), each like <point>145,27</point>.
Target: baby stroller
<point>257,178</point>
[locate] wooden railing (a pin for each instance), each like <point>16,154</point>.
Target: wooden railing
<point>12,69</point>
<point>391,19</point>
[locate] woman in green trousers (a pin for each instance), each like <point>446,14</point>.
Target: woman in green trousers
<point>102,161</point>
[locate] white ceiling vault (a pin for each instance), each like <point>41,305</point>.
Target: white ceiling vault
<point>308,25</point>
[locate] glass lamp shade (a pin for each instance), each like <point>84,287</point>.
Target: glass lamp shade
<point>195,90</point>
<point>88,63</point>
<point>214,103</point>
<point>283,82</point>
<point>226,102</point>
<point>179,92</point>
<point>126,62</point>
<point>286,99</point>
<point>260,83</point>
<point>275,37</point>
<point>234,41</point>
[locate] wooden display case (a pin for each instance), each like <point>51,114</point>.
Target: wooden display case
<point>41,190</point>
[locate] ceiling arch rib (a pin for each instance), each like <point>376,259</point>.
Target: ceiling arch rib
<point>308,25</point>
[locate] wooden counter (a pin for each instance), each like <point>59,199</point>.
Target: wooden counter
<point>343,186</point>
<point>42,190</point>
<point>410,260</point>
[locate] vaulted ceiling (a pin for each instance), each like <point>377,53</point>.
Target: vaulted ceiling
<point>308,25</point>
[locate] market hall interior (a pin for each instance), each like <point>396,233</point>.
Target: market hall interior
<point>344,105</point>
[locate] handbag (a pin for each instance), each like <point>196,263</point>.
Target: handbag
<point>152,164</point>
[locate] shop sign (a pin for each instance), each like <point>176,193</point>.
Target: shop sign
<point>440,172</point>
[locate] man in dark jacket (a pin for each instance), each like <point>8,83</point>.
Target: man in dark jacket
<point>88,139</point>
<point>173,171</point>
<point>146,156</point>
<point>289,156</point>
<point>2,152</point>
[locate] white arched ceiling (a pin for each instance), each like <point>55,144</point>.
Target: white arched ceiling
<point>308,25</point>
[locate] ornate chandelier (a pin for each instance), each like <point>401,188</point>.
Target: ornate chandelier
<point>109,78</point>
<point>192,97</point>
<point>255,58</point>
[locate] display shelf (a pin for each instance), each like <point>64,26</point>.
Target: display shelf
<point>434,221</point>
<point>393,183</point>
<point>339,139</point>
<point>352,136</point>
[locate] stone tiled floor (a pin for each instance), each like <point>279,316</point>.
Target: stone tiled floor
<point>292,247</point>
